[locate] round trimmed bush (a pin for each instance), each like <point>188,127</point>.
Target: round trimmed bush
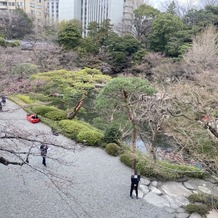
<point>91,137</point>
<point>56,115</point>
<point>112,149</point>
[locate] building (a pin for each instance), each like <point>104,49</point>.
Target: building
<point>128,15</point>
<point>52,11</point>
<point>34,8</point>
<point>70,9</point>
<point>118,11</point>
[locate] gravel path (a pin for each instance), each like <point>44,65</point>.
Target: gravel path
<point>100,190</point>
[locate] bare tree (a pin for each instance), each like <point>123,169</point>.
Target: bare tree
<point>192,123</point>
<point>209,2</point>
<point>20,147</point>
<point>181,7</point>
<point>15,24</point>
<point>203,55</point>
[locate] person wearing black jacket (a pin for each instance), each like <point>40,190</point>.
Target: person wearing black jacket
<point>134,184</point>
<point>43,149</point>
<point>3,100</point>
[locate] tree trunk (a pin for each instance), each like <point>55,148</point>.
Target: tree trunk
<point>76,109</point>
<point>134,131</point>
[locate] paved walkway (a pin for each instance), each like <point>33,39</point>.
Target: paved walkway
<point>100,189</point>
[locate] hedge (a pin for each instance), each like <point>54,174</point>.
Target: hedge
<point>160,169</point>
<point>26,99</point>
<point>42,110</point>
<point>90,137</point>
<point>56,115</point>
<point>74,127</point>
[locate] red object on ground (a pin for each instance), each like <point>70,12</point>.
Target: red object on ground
<point>32,118</point>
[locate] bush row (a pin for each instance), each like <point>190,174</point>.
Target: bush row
<point>160,169</point>
<point>6,43</point>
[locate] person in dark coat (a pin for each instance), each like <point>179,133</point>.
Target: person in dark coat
<point>0,106</point>
<point>134,184</point>
<point>4,100</point>
<point>43,149</point>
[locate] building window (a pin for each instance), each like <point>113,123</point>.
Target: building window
<point>32,12</point>
<point>32,5</point>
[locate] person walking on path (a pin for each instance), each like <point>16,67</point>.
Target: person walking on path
<point>0,106</point>
<point>43,149</point>
<point>134,184</point>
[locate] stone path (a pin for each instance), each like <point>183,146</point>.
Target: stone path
<point>101,185</point>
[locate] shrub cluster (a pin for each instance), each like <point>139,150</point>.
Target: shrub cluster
<point>209,201</point>
<point>200,209</point>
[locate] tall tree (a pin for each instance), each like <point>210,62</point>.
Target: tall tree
<point>75,87</point>
<point>69,34</point>
<point>164,27</point>
<point>119,100</point>
<point>143,17</point>
<point>172,8</point>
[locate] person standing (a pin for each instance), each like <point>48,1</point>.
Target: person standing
<point>43,149</point>
<point>0,106</point>
<point>134,184</point>
<point>3,100</point>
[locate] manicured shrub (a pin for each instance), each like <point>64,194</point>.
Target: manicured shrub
<point>112,149</point>
<point>181,170</point>
<point>15,43</point>
<point>39,97</point>
<point>145,168</point>
<point>74,127</point>
<point>42,110</point>
<point>26,99</point>
<point>200,209</point>
<point>90,137</point>
<point>56,115</point>
<point>112,134</point>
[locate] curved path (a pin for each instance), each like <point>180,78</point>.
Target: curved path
<point>100,189</point>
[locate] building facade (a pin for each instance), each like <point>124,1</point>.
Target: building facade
<point>34,8</point>
<point>70,9</point>
<point>52,11</point>
<point>118,11</point>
